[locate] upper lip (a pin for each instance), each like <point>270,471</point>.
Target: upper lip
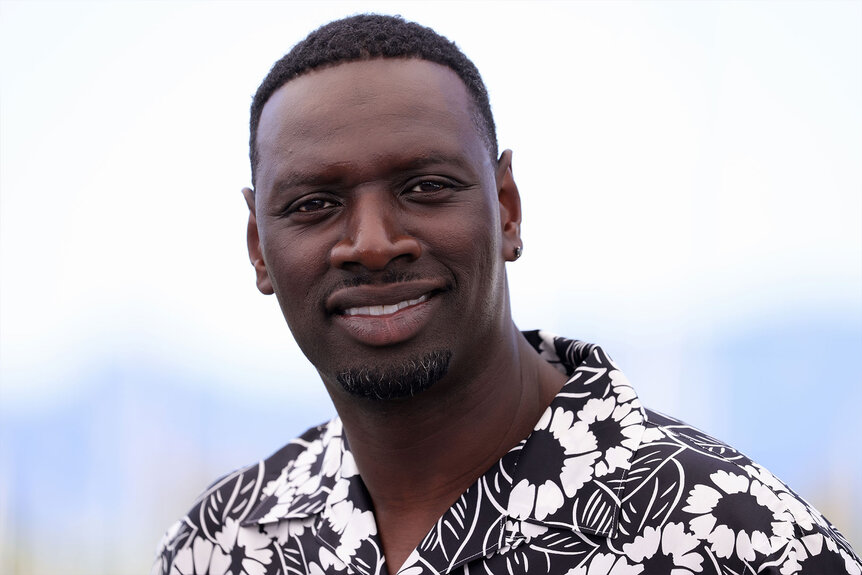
<point>380,294</point>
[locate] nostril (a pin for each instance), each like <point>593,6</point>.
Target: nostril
<point>374,255</point>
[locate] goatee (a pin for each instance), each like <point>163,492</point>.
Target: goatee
<point>396,381</point>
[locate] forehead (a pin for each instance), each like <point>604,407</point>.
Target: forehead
<point>361,112</point>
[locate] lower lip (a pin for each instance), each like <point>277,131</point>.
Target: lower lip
<point>391,329</point>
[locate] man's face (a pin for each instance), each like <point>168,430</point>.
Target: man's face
<point>382,224</point>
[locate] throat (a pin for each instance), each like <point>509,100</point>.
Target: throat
<point>402,532</point>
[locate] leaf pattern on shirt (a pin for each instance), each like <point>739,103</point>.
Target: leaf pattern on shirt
<point>601,487</point>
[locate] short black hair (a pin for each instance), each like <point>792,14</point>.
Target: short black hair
<point>366,37</point>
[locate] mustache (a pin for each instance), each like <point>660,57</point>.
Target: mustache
<point>383,278</point>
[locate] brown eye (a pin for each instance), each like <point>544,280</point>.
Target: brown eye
<point>428,186</point>
<point>314,205</point>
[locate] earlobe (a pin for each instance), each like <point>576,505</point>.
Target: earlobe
<point>255,253</point>
<point>510,208</point>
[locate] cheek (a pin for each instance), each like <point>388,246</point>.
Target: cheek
<point>295,270</point>
<point>471,245</point>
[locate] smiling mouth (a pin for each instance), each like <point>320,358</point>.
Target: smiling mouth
<point>380,300</point>
<point>385,314</point>
<point>380,310</point>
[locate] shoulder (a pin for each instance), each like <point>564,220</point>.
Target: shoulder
<point>212,524</point>
<point>728,509</point>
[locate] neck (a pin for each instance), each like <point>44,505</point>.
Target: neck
<point>416,456</point>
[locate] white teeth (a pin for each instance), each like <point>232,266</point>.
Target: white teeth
<point>375,310</point>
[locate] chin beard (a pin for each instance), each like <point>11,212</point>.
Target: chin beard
<point>396,381</point>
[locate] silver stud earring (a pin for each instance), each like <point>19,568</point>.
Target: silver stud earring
<point>517,252</point>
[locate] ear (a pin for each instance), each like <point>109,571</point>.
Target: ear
<point>510,206</point>
<point>255,254</point>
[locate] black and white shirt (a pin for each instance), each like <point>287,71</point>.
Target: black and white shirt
<point>601,487</point>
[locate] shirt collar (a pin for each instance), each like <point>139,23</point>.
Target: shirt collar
<point>307,480</point>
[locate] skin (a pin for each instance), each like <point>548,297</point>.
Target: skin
<point>374,187</point>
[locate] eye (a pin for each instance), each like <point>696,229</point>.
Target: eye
<point>310,208</point>
<point>431,189</point>
<point>428,186</point>
<point>312,205</point>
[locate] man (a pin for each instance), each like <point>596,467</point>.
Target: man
<point>382,217</point>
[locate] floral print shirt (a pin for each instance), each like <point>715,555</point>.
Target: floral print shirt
<point>600,487</point>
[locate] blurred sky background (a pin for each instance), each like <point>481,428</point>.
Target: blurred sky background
<point>691,176</point>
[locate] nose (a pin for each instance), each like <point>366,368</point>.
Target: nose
<point>374,235</point>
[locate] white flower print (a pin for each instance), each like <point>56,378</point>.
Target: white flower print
<point>528,530</point>
<point>320,459</point>
<point>329,562</point>
<point>354,526</point>
<point>622,387</point>
<point>301,474</point>
<point>255,546</point>
<point>768,523</point>
<point>287,529</point>
<point>581,456</point>
<point>607,564</point>
<point>348,465</point>
<point>763,475</point>
<point>809,549</point>
<point>630,421</point>
<point>804,515</point>
<point>852,566</point>
<point>666,550</point>
<point>201,558</point>
<point>215,557</point>
<point>578,446</point>
<point>799,510</point>
<point>332,456</point>
<point>519,532</point>
<point>652,435</point>
<point>296,479</point>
